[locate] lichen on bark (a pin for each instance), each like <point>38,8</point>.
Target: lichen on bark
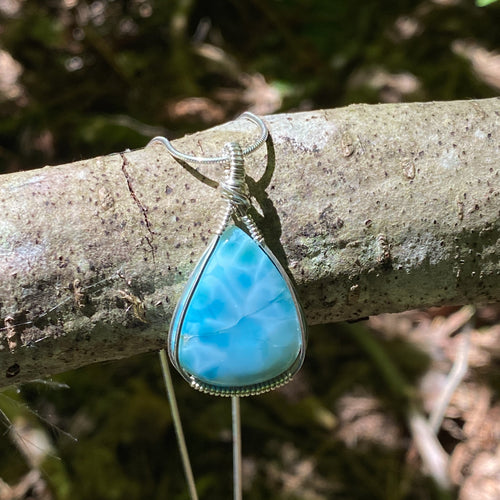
<point>371,208</point>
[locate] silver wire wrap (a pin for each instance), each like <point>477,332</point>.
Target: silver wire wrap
<point>234,188</point>
<point>235,191</point>
<point>252,228</point>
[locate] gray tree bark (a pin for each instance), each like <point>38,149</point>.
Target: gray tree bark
<point>371,208</point>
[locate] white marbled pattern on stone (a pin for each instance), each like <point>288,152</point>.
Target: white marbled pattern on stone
<point>241,326</point>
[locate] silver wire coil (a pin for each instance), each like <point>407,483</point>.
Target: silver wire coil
<point>233,188</point>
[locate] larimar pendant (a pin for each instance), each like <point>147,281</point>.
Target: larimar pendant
<point>238,328</point>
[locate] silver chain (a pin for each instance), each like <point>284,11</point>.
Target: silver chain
<point>264,132</point>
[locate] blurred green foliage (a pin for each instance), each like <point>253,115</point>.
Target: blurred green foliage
<point>484,3</point>
<point>103,76</point>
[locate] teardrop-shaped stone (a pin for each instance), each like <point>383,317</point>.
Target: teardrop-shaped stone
<point>238,322</point>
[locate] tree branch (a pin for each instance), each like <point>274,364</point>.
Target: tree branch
<point>372,209</point>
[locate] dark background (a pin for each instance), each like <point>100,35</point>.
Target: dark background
<point>80,79</point>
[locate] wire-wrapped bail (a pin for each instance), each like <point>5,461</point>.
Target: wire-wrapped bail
<point>234,187</point>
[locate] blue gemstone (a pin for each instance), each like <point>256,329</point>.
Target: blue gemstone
<point>237,323</point>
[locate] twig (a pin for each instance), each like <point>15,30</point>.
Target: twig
<point>433,456</point>
<point>456,375</point>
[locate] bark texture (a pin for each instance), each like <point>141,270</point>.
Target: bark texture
<point>372,209</point>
